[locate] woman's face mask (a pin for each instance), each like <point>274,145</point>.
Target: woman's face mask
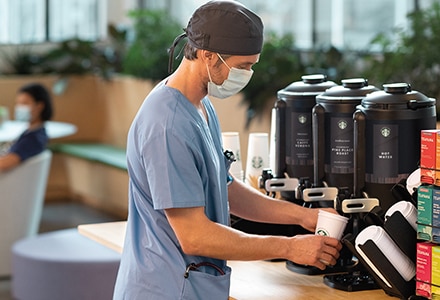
<point>22,112</point>
<point>236,81</point>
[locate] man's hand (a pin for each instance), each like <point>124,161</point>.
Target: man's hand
<point>314,250</point>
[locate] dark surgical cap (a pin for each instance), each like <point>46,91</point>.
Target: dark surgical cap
<point>225,27</point>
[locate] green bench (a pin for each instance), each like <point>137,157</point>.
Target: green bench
<point>94,174</point>
<point>102,153</point>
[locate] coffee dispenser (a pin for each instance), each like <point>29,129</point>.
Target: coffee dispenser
<point>387,138</point>
<point>294,112</point>
<point>292,152</point>
<point>333,134</point>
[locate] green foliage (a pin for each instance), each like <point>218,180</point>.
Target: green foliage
<point>74,56</point>
<point>412,55</point>
<point>117,49</point>
<point>22,61</point>
<point>77,56</point>
<point>330,61</point>
<point>147,55</point>
<point>279,65</point>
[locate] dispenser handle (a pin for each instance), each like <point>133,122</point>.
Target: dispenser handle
<point>281,184</point>
<point>280,138</point>
<point>359,205</point>
<point>359,152</point>
<point>320,194</point>
<point>318,124</point>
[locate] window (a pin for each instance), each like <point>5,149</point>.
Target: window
<point>316,23</point>
<point>36,21</point>
<point>22,21</point>
<point>84,19</point>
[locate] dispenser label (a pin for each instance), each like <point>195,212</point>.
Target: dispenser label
<point>385,153</point>
<point>301,143</point>
<point>341,145</point>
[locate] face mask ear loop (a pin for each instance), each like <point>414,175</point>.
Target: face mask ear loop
<point>221,58</point>
<point>171,51</point>
<point>209,73</point>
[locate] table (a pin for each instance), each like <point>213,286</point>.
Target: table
<point>254,280</point>
<point>10,130</point>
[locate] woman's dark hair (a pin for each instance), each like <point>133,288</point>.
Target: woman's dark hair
<point>40,94</point>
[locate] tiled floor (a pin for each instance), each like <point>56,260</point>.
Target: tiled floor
<point>61,215</point>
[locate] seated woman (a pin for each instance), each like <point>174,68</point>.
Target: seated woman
<point>33,104</point>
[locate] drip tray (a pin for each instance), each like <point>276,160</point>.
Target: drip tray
<point>309,270</point>
<point>351,282</point>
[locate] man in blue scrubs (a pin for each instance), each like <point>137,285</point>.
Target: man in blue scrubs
<point>180,194</point>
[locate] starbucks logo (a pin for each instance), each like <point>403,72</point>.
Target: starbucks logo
<point>342,124</point>
<point>257,162</point>
<point>302,119</point>
<point>385,131</point>
<point>322,232</point>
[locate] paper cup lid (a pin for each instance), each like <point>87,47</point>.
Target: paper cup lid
<point>413,181</point>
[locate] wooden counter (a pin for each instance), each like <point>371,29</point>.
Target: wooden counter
<point>254,280</point>
<point>258,280</point>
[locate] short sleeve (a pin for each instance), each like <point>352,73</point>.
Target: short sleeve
<point>177,181</point>
<point>30,143</point>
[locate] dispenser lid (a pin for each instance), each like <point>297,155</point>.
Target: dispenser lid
<point>397,96</point>
<point>310,85</point>
<point>353,89</point>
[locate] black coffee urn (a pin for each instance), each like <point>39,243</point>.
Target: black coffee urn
<point>295,132</point>
<point>293,127</point>
<point>333,134</point>
<point>293,153</point>
<point>387,138</point>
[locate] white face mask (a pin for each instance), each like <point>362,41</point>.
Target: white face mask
<point>22,113</point>
<point>236,81</point>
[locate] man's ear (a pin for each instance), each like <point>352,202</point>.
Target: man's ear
<point>208,57</point>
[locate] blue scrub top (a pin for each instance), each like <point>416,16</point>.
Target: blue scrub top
<point>175,160</point>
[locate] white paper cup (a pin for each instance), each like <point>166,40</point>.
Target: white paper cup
<point>257,156</point>
<point>413,181</point>
<point>407,209</point>
<point>231,141</point>
<point>383,241</point>
<point>330,224</point>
